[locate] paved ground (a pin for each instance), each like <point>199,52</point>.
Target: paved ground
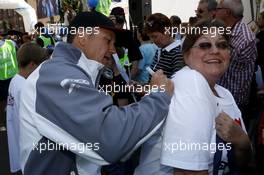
<point>4,160</point>
<point>4,157</point>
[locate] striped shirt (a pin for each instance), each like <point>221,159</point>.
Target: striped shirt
<point>239,75</point>
<point>168,59</point>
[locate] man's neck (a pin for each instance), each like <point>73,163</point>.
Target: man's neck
<point>23,73</point>
<point>232,22</point>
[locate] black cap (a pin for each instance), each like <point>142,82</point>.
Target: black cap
<point>117,11</point>
<point>94,19</point>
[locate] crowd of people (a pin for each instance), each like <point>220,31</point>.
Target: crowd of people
<point>162,102</point>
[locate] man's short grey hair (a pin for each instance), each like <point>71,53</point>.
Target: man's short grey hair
<point>236,7</point>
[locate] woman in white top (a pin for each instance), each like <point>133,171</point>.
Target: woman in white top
<point>204,120</point>
<point>200,109</point>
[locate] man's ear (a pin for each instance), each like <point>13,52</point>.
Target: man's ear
<point>81,37</point>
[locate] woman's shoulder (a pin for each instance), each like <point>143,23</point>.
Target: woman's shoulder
<point>188,76</point>
<point>190,81</point>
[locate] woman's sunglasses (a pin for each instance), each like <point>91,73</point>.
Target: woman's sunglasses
<point>223,45</point>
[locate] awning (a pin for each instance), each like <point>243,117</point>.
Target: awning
<point>24,9</point>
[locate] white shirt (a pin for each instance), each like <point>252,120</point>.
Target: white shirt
<point>190,123</point>
<point>191,120</point>
<point>12,110</point>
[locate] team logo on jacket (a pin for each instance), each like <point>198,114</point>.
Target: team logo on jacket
<point>10,100</point>
<point>71,84</point>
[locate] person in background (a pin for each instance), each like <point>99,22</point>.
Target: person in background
<point>238,78</point>
<point>26,38</point>
<point>192,21</point>
<point>8,69</point>
<point>117,15</point>
<point>148,50</point>
<point>42,38</point>
<point>168,57</point>
<point>29,56</point>
<point>104,7</point>
<point>128,42</point>
<point>176,22</point>
<point>206,10</point>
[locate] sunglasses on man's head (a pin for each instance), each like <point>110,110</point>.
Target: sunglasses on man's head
<point>223,45</point>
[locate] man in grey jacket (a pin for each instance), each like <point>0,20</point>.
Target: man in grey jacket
<point>67,125</point>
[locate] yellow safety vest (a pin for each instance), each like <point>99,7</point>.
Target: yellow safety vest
<point>47,41</point>
<point>104,7</point>
<point>8,61</point>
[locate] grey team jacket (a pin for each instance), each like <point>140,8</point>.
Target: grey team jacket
<point>69,127</point>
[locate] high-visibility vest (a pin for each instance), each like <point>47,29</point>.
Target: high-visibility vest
<point>103,7</point>
<point>125,60</point>
<point>8,60</point>
<point>46,41</point>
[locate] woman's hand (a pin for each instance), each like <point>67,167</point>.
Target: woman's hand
<point>228,130</point>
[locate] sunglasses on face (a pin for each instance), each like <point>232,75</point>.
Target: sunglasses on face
<point>223,45</point>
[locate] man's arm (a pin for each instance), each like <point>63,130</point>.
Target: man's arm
<point>90,116</point>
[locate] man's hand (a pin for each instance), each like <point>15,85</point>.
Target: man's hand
<point>160,80</point>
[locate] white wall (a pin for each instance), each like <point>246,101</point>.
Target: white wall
<point>186,8</point>
<point>247,11</point>
<point>182,8</point>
